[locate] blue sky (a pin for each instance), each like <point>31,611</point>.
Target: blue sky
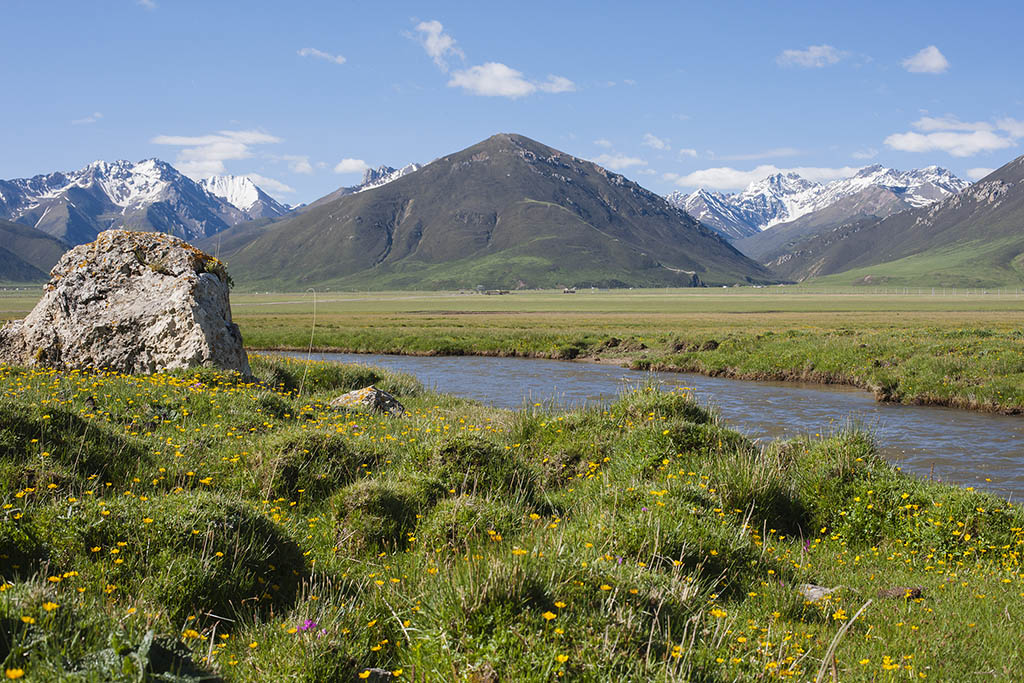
<point>302,95</point>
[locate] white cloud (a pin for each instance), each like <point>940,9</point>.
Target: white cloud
<point>603,142</point>
<point>864,154</point>
<point>688,152</point>
<point>949,122</point>
<point>148,4</point>
<point>766,154</point>
<point>246,137</point>
<point>557,84</point>
<point>1012,126</point>
<point>204,155</point>
<point>313,52</point>
<point>670,176</point>
<point>655,142</point>
<point>619,162</point>
<point>959,144</point>
<point>815,56</point>
<point>490,79</point>
<point>726,178</point>
<point>978,173</point>
<point>495,79</point>
<point>927,61</point>
<point>647,171</point>
<point>297,163</point>
<point>438,44</point>
<point>958,138</point>
<point>351,166</point>
<point>269,185</point>
<point>91,118</point>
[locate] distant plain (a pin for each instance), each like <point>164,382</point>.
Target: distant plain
<point>962,348</point>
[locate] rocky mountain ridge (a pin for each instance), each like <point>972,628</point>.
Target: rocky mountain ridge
<point>970,239</point>
<point>149,195</point>
<point>784,198</point>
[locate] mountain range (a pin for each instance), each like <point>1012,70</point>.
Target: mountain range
<point>971,239</point>
<point>512,212</point>
<point>148,195</point>
<point>507,212</point>
<point>785,199</point>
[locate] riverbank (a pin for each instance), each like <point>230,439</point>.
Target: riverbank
<point>964,352</point>
<point>964,448</point>
<point>194,523</point>
<point>925,346</point>
<point>954,370</point>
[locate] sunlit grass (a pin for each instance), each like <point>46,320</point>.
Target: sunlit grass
<point>204,524</point>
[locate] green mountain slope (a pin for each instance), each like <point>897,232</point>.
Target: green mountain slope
<point>14,270</point>
<point>27,254</point>
<point>972,239</point>
<point>506,212</point>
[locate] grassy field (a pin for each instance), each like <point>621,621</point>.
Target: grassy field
<point>191,526</point>
<point>961,348</point>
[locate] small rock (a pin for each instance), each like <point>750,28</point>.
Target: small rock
<point>906,592</point>
<point>814,593</point>
<point>377,675</point>
<point>372,399</point>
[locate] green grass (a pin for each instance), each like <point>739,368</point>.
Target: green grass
<point>903,344</point>
<point>194,525</point>
<point>988,264</point>
<point>911,345</point>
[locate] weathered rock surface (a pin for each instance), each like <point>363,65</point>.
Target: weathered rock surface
<point>370,399</point>
<point>133,302</point>
<point>814,593</point>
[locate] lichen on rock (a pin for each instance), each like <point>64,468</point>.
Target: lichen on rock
<point>133,302</point>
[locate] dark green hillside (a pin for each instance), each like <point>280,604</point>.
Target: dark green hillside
<point>15,270</point>
<point>27,254</point>
<point>506,212</point>
<point>972,239</point>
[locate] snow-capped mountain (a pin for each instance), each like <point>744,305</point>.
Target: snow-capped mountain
<point>782,198</point>
<point>714,210</point>
<point>372,179</point>
<point>382,175</point>
<point>148,195</point>
<point>245,195</point>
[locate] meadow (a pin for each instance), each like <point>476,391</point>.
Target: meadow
<point>199,526</point>
<point>961,348</point>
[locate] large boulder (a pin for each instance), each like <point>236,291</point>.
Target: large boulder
<point>134,302</point>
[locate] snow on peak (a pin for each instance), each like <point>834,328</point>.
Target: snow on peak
<point>239,191</point>
<point>382,175</point>
<point>784,197</point>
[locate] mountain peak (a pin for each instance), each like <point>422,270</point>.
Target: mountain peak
<point>514,209</point>
<point>146,195</point>
<point>785,196</point>
<point>243,194</point>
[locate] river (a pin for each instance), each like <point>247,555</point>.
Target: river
<point>956,446</point>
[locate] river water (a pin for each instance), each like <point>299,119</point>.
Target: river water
<point>957,446</point>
